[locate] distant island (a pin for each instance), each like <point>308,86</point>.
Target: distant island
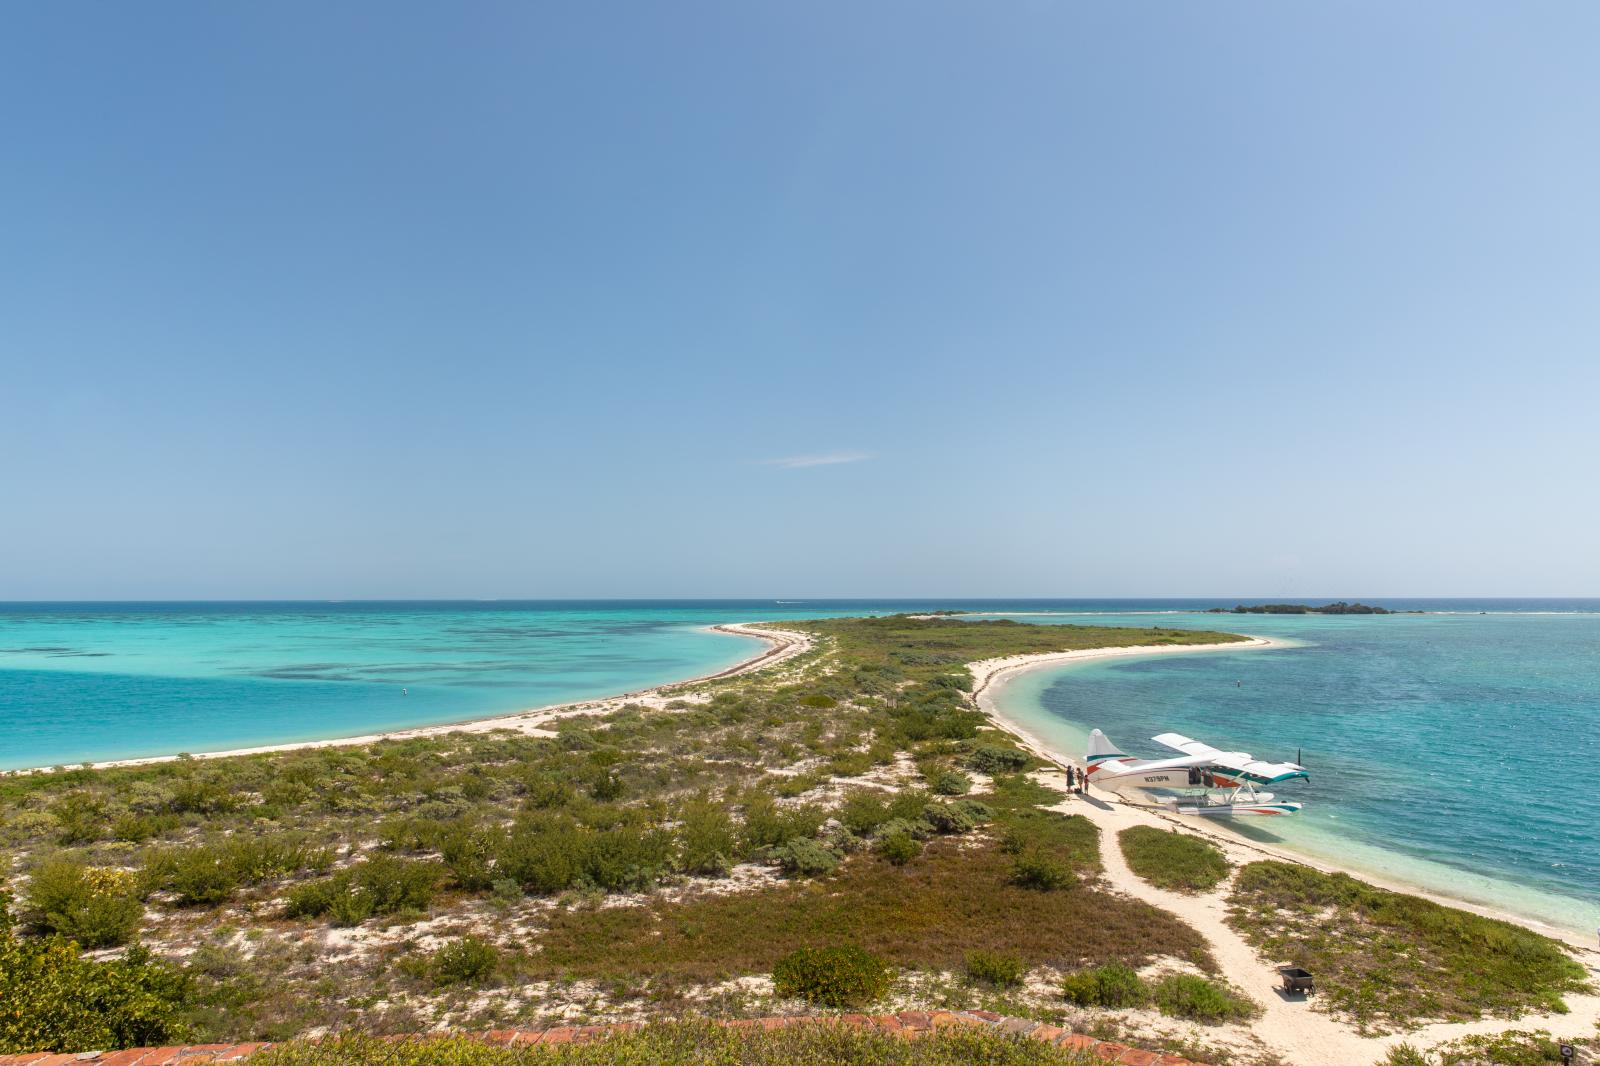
<point>1302,608</point>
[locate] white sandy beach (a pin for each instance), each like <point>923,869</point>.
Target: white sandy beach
<point>1290,1028</point>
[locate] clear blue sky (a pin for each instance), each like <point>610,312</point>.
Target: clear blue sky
<point>479,299</point>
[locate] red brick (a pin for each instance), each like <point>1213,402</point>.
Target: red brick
<point>1176,1060</point>
<point>242,1051</point>
<point>887,1021</point>
<point>1050,1033</point>
<point>1136,1057</point>
<point>915,1019</point>
<point>1109,1051</point>
<point>986,1015</point>
<point>1077,1041</point>
<point>54,1060</point>
<point>162,1056</point>
<point>559,1035</point>
<point>203,1052</point>
<point>121,1058</point>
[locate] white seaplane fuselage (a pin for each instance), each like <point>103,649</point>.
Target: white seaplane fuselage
<point>1201,770</point>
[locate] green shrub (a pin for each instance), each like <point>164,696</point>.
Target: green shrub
<point>1515,1047</point>
<point>1183,995</point>
<point>543,853</point>
<point>864,810</point>
<point>1180,862</point>
<point>1003,969</point>
<point>209,874</point>
<point>96,907</point>
<point>80,817</point>
<point>469,853</point>
<point>961,816</point>
<point>899,848</point>
<point>806,857</point>
<point>606,786</point>
<point>203,795</point>
<point>991,759</point>
<point>850,764</point>
<point>1036,870</point>
<point>469,961</point>
<point>831,977</point>
<point>1113,985</point>
<point>552,852</point>
<point>707,841</point>
<point>916,830</point>
<point>52,999</point>
<point>627,858</point>
<point>766,825</point>
<point>201,877</point>
<point>138,828</point>
<point>952,783</point>
<point>379,884</point>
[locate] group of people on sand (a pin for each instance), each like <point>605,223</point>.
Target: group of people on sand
<point>1077,780</point>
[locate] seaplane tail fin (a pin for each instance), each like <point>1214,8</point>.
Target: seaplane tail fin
<point>1101,750</point>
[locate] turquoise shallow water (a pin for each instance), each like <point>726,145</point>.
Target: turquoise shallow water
<point>1446,748</point>
<point>1446,751</point>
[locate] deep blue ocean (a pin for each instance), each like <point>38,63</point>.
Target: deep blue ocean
<point>1443,746</point>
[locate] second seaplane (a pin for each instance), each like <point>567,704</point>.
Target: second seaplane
<point>1215,782</point>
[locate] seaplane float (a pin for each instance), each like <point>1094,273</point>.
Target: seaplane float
<point>1215,782</point>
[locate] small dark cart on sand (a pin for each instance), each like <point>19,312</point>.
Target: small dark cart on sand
<point>1296,981</point>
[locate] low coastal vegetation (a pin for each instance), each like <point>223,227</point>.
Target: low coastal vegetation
<point>1514,1048</point>
<point>698,1044</point>
<point>1177,995</point>
<point>625,861</point>
<point>1178,862</point>
<point>1389,960</point>
<point>51,996</point>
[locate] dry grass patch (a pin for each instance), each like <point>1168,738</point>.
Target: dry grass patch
<point>932,911</point>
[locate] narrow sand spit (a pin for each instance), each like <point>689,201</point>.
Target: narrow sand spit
<point>781,644</point>
<point>1293,1029</point>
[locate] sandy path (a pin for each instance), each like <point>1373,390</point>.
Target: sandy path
<point>1291,1028</point>
<point>781,645</point>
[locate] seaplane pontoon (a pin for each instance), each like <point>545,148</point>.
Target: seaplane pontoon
<point>1215,782</point>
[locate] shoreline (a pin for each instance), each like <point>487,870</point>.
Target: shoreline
<point>992,675</point>
<point>780,645</point>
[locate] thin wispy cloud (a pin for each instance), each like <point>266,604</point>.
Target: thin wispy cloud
<point>797,462</point>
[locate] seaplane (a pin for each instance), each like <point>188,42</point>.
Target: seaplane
<point>1201,771</point>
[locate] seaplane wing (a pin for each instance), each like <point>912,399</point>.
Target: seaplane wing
<point>1240,764</point>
